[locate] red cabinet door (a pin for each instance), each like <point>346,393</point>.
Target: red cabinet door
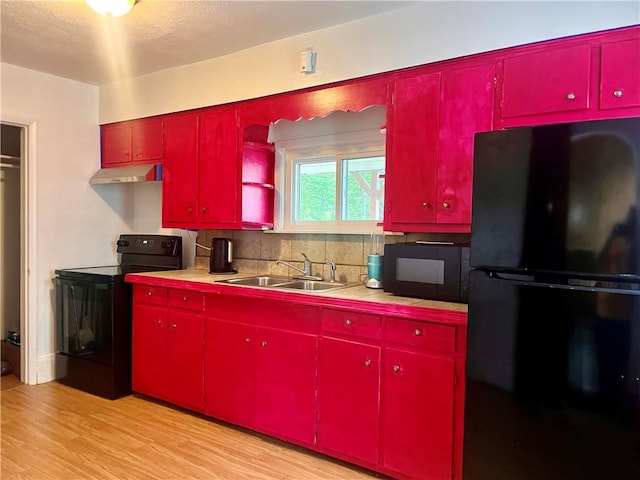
<point>185,356</point>
<point>218,169</point>
<point>547,82</point>
<point>286,365</point>
<point>180,171</point>
<point>412,160</point>
<point>417,414</point>
<point>116,145</point>
<point>230,371</point>
<point>466,107</point>
<point>348,389</point>
<point>149,359</point>
<point>620,74</point>
<point>147,140</point>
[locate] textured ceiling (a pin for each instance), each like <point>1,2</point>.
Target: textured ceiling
<point>67,39</point>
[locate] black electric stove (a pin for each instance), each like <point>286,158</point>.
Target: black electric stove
<point>93,314</point>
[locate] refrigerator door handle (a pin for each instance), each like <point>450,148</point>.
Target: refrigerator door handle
<point>577,284</point>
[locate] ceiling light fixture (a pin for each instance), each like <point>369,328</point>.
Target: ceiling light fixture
<point>111,8</point>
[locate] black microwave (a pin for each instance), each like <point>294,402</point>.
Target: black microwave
<point>434,271</point>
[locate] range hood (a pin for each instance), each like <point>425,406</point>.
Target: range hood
<point>133,174</point>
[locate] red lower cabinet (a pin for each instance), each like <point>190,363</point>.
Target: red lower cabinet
<point>230,371</point>
<point>185,354</point>
<point>286,384</point>
<point>378,391</point>
<point>168,345</point>
<point>417,414</point>
<point>348,389</point>
<point>149,372</point>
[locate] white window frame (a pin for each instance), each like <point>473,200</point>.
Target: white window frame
<point>362,144</point>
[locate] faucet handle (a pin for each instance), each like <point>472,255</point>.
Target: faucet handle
<point>331,264</point>
<point>305,256</point>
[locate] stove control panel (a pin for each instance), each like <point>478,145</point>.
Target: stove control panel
<point>167,245</point>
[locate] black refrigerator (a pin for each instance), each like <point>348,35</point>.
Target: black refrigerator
<point>552,386</point>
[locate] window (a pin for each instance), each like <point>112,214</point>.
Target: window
<point>337,189</point>
<point>330,183</point>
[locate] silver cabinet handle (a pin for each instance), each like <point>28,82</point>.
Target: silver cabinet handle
<point>184,299</point>
<point>247,340</point>
<point>417,332</point>
<point>149,293</point>
<point>159,322</point>
<point>426,205</point>
<point>204,209</point>
<point>367,362</point>
<point>571,96</point>
<point>347,323</point>
<point>263,344</point>
<point>445,205</point>
<point>173,325</point>
<point>617,93</point>
<point>396,368</point>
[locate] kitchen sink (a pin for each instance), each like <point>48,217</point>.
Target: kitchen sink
<point>285,282</point>
<point>259,281</point>
<point>312,286</point>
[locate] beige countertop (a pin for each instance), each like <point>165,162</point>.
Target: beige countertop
<point>201,277</point>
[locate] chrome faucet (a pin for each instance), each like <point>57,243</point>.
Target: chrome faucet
<point>332,270</point>
<point>306,273</point>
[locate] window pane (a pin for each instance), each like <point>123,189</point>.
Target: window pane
<point>362,188</point>
<point>316,188</point>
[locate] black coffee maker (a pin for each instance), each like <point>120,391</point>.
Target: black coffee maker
<point>221,256</point>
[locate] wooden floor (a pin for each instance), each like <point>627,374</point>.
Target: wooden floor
<point>51,431</point>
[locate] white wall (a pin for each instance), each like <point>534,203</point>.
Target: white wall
<point>71,224</point>
<point>422,33</point>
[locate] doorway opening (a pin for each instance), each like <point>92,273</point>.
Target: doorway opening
<point>12,251</point>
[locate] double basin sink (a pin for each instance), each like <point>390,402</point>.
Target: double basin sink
<point>285,283</point>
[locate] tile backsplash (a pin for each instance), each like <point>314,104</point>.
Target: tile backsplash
<point>255,252</point>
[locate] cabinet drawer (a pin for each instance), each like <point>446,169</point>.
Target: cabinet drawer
<point>350,323</point>
<point>150,295</point>
<point>420,334</point>
<point>187,299</point>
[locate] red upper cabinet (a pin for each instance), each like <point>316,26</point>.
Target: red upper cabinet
<point>214,179</point>
<point>412,153</point>
<point>553,80</point>
<point>620,74</point>
<point>180,171</point>
<point>134,142</point>
<point>587,78</point>
<point>200,177</point>
<point>430,148</point>
<point>218,184</point>
<point>466,107</point>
